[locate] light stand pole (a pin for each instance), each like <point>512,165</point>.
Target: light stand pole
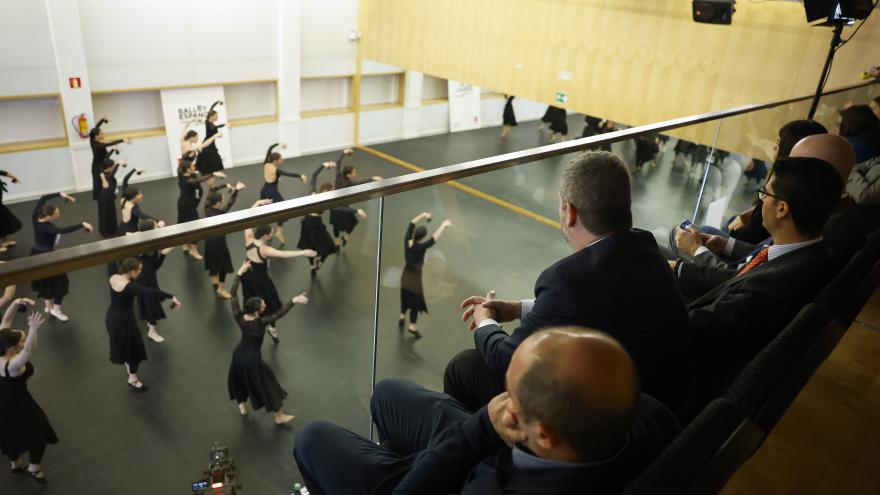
<point>835,42</point>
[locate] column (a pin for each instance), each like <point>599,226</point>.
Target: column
<point>289,121</point>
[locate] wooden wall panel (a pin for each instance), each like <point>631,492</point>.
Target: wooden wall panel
<point>632,61</point>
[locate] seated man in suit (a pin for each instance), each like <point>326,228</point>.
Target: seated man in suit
<point>616,282</point>
<point>572,419</point>
<point>844,232</point>
<point>743,309</point>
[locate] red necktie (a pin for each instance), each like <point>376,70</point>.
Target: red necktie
<point>759,258</point>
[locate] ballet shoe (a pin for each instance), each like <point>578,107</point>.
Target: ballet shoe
<point>415,333</point>
<point>38,476</point>
<point>400,323</point>
<point>58,314</point>
<point>155,337</point>
<point>242,409</point>
<point>222,293</point>
<point>17,468</point>
<point>195,255</point>
<point>142,388</point>
<point>285,418</point>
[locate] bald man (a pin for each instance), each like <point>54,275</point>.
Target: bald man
<point>844,232</point>
<point>571,421</point>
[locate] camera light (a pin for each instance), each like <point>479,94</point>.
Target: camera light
<point>216,485</point>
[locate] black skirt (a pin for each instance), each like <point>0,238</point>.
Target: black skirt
<point>343,220</point>
<point>412,295</point>
<point>9,223</point>
<point>107,222</point>
<point>187,210</point>
<point>257,283</point>
<point>314,236</point>
<point>217,258</point>
<point>251,378</point>
<point>270,191</point>
<point>54,287</point>
<point>150,307</point>
<point>23,424</point>
<point>508,116</point>
<point>209,160</point>
<point>126,343</point>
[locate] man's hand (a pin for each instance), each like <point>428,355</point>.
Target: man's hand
<point>714,243</point>
<point>505,420</point>
<point>504,311</point>
<point>688,240</point>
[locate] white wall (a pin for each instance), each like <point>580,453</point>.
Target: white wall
<point>173,42</point>
<point>27,63</point>
<point>120,49</point>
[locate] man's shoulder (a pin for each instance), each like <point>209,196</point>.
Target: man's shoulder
<point>635,245</point>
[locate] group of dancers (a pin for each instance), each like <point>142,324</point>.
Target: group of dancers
<point>24,426</point>
<point>554,117</point>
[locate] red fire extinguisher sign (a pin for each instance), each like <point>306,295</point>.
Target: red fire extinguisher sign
<point>75,83</point>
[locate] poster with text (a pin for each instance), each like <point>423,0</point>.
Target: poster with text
<point>464,106</point>
<point>183,106</point>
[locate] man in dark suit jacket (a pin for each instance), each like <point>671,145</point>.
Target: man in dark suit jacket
<point>745,309</point>
<point>844,232</point>
<point>572,419</point>
<point>616,281</point>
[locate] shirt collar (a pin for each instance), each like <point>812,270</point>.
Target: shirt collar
<point>523,459</point>
<point>777,250</point>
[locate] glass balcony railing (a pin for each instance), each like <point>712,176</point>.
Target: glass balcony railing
<point>504,230</point>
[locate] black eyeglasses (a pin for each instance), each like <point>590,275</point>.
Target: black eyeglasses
<point>762,194</point>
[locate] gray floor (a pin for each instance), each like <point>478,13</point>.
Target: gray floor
<point>114,441</point>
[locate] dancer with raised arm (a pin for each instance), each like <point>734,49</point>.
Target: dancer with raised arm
<point>256,282</point>
<point>107,222</point>
<point>412,294</point>
<point>218,262</point>
<point>46,238</point>
<point>250,377</point>
<point>126,345</point>
<point>345,218</point>
<point>189,140</point>
<point>150,305</point>
<point>9,223</point>
<point>313,234</point>
<point>189,181</point>
<point>209,158</point>
<point>24,426</point>
<point>131,206</point>
<point>271,175</point>
<point>99,153</point>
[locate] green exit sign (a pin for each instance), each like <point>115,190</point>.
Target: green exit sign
<point>561,97</point>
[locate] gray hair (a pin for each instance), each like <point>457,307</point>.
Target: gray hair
<point>597,184</point>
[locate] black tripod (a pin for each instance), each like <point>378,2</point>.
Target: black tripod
<point>835,43</point>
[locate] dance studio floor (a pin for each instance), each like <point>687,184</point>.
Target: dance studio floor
<point>120,442</point>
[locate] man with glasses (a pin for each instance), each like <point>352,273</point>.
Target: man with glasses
<point>844,232</point>
<point>744,308</point>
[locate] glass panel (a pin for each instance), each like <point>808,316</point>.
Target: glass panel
<point>322,360</point>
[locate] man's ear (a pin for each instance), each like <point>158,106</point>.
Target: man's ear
<point>571,215</point>
<point>783,209</point>
<point>547,438</point>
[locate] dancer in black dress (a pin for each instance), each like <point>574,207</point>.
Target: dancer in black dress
<point>100,153</point>
<point>107,222</point>
<point>209,158</point>
<point>546,118</point>
<point>46,238</point>
<point>218,262</point>
<point>23,424</point>
<point>558,124</point>
<point>249,376</point>
<point>412,295</point>
<point>345,218</point>
<point>508,118</point>
<point>149,305</point>
<point>130,206</point>
<point>189,140</point>
<point>190,184</point>
<point>256,282</point>
<point>9,223</point>
<point>313,234</point>
<point>271,175</point>
<point>126,345</point>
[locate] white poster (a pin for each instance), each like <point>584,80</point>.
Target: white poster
<point>464,106</point>
<point>181,106</point>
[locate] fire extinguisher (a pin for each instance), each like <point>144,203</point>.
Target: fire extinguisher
<point>81,125</point>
